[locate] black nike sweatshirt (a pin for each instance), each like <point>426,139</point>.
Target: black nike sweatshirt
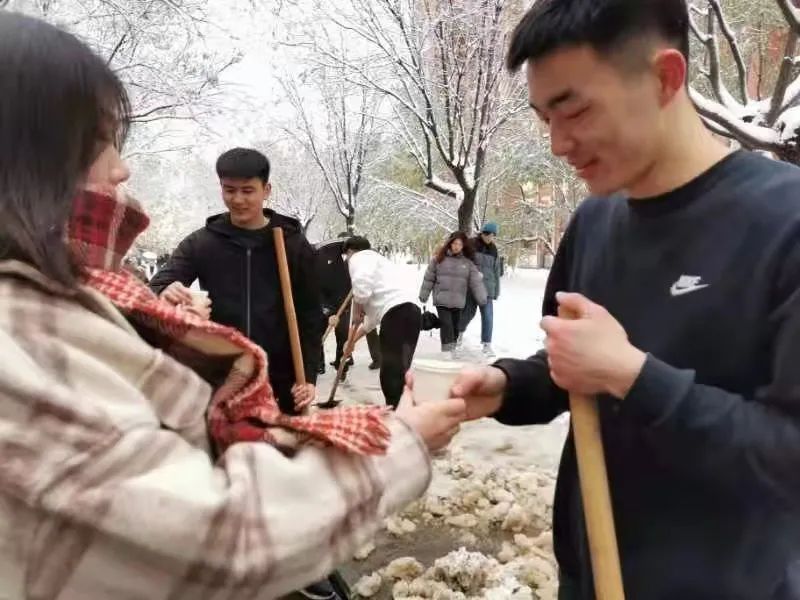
<point>704,453</point>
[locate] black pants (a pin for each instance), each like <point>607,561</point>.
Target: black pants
<point>569,589</point>
<point>280,370</point>
<point>374,345</point>
<point>398,340</point>
<point>341,332</point>
<point>449,319</point>
<point>467,313</point>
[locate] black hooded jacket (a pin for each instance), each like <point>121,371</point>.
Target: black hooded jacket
<point>239,269</point>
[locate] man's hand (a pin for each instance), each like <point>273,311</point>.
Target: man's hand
<point>590,354</point>
<point>333,321</point>
<point>435,422</point>
<point>177,294</point>
<point>482,390</point>
<point>304,394</point>
<point>358,315</point>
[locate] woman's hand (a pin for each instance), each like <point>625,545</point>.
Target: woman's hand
<point>435,422</point>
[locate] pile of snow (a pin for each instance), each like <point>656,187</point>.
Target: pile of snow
<point>480,501</point>
<point>492,490</point>
<point>485,497</point>
<point>465,575</point>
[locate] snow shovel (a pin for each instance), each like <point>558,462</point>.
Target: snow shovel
<point>595,493</point>
<point>346,354</point>
<point>338,315</point>
<point>335,578</point>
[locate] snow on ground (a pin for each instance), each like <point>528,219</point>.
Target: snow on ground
<point>516,314</point>
<point>482,531</point>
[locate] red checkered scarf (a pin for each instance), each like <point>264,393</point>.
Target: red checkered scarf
<point>243,407</point>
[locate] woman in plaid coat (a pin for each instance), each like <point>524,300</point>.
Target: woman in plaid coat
<point>144,455</point>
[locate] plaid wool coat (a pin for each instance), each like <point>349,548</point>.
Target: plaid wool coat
<point>107,488</point>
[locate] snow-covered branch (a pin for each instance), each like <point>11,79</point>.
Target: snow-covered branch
<point>751,135</point>
<point>443,187</point>
<point>770,124</point>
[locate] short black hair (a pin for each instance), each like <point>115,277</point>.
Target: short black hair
<point>243,163</point>
<point>604,25</point>
<point>61,105</point>
<point>356,243</point>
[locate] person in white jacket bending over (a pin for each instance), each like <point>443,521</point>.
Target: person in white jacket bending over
<point>379,300</point>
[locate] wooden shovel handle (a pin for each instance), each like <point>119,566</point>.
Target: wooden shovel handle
<point>349,346</point>
<point>338,315</point>
<point>597,509</point>
<point>288,306</point>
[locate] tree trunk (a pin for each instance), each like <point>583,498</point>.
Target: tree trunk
<point>350,221</point>
<point>466,210</point>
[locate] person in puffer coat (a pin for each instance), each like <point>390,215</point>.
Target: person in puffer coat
<point>451,275</point>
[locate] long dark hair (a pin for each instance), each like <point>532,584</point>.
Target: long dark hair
<point>468,250</point>
<point>61,104</point>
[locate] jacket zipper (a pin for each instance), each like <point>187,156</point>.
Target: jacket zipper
<point>249,277</point>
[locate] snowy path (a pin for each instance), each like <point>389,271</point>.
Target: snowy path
<point>516,331</point>
<point>517,334</point>
<point>487,450</point>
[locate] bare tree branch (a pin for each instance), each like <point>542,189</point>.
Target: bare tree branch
<point>733,45</point>
<point>791,13</point>
<point>784,78</point>
<point>143,115</point>
<point>714,73</point>
<point>342,156</point>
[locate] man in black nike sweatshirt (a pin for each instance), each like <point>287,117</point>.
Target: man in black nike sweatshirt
<point>684,271</point>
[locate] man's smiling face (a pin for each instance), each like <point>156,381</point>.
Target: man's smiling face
<point>604,118</point>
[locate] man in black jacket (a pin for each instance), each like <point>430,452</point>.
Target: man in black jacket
<point>683,275</point>
<point>233,257</point>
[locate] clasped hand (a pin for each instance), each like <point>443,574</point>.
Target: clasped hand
<point>590,354</point>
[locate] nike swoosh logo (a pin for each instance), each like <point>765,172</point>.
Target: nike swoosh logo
<point>675,290</point>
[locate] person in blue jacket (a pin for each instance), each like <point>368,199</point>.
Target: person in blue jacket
<point>490,265</point>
